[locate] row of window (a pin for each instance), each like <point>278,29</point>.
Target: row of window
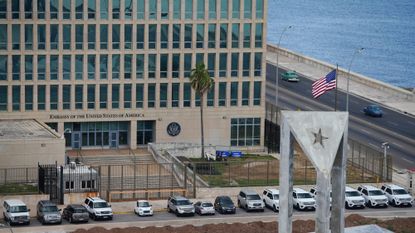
<point>128,96</point>
<point>127,66</point>
<point>132,9</point>
<point>245,131</point>
<point>159,36</point>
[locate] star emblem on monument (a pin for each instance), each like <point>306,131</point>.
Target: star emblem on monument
<point>318,138</point>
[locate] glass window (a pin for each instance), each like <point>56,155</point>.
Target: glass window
<point>223,35</point>
<point>127,95</point>
<point>258,35</point>
<point>212,9</point>
<point>234,93</point>
<point>164,36</point>
<point>3,97</point>
<point>187,64</point>
<point>188,36</point>
<point>116,66</point>
<point>54,9</point>
<point>103,66</point>
<point>139,66</point>
<point>223,64</point>
<point>247,35</point>
<point>3,36</point>
<point>91,36</point>
<point>234,64</point>
<point>224,9</point>
<point>92,8</point>
<point>104,9</point>
<point>28,36</point>
<point>28,96</point>
<point>79,67</point>
<point>222,94</point>
<point>115,9</point>
<point>152,9</point>
<point>79,36</point>
<point>41,97</point>
<point>212,35</point>
<point>41,67</point>
<point>139,95</point>
<point>66,9</point>
<point>15,36</point>
<point>79,9</point>
<point>140,36</point>
<point>259,9</point>
<point>128,59</point>
<point>245,131</point>
<point>258,65</point>
<point>66,36</point>
<point>235,35</point>
<point>245,93</point>
<point>188,11</point>
<point>177,9</point>
<point>151,95</point>
<point>41,8</point>
<point>176,36</point>
<point>152,65</point>
<point>200,9</point>
<point>200,35</point>
<point>15,9</point>
<point>103,96</point>
<point>257,92</point>
<point>152,36</point>
<point>141,8</point>
<point>54,36</point>
<point>164,59</point>
<point>164,9</point>
<point>66,71</point>
<point>66,97</point>
<point>54,93</point>
<point>175,69</point>
<point>175,93</point>
<point>91,66</point>
<point>28,67</point>
<point>16,67</point>
<point>16,98</point>
<point>79,93</point>
<point>54,67</point>
<point>246,61</point>
<point>144,132</point>
<point>200,58</point>
<point>104,36</point>
<point>41,36</point>
<point>211,97</point>
<point>211,64</point>
<point>3,9</point>
<point>236,6</point>
<point>28,4</point>
<point>128,9</point>
<point>247,9</point>
<point>3,67</point>
<point>128,36</point>
<point>187,94</point>
<point>115,36</point>
<point>91,96</point>
<point>163,95</point>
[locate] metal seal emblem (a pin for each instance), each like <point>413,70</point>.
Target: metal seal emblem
<point>173,129</point>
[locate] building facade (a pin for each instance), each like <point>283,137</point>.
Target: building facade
<point>115,73</point>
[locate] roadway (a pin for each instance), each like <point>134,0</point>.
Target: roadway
<point>163,218</point>
<point>394,127</point>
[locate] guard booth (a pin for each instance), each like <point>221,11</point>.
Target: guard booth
<point>78,178</point>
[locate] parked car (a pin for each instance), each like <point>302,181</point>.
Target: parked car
<point>204,208</point>
<point>303,200</point>
<point>271,198</point>
<point>397,196</point>
<point>143,208</point>
<point>180,206</point>
<point>250,200</point>
<point>373,196</point>
<point>290,76</point>
<point>75,213</point>
<point>16,212</point>
<point>353,199</point>
<point>373,110</point>
<point>224,205</point>
<point>48,213</point>
<point>98,208</point>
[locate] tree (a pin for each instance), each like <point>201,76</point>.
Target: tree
<point>201,82</point>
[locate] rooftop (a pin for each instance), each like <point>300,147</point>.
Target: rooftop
<point>25,129</point>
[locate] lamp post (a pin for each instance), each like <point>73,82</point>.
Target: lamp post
<point>359,50</point>
<point>385,147</point>
<point>277,78</point>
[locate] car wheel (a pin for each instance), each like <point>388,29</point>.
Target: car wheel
<point>95,217</point>
<point>70,219</point>
<point>246,208</point>
<point>298,206</point>
<point>393,203</point>
<point>177,213</point>
<point>168,209</point>
<point>275,208</point>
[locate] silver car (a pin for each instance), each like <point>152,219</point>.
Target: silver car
<point>204,208</point>
<point>250,200</point>
<point>48,212</point>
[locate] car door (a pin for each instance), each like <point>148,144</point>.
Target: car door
<point>295,199</point>
<point>269,199</point>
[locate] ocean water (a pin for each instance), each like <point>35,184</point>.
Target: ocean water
<point>332,30</point>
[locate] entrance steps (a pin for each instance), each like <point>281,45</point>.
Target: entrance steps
<point>111,157</point>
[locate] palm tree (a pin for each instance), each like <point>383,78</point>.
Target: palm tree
<point>201,82</point>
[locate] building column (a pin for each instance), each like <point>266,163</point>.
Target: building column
<point>61,128</point>
<point>133,135</point>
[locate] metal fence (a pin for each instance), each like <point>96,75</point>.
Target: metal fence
<point>25,175</point>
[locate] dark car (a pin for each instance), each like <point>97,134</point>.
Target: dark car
<point>224,205</point>
<point>373,110</point>
<point>75,213</point>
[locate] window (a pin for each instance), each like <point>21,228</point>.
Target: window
<point>163,65</point>
<point>66,9</point>
<point>211,97</point>
<point>175,69</point>
<point>3,97</point>
<point>91,66</point>
<point>116,66</point>
<point>152,9</point>
<point>246,64</point>
<point>259,9</point>
<point>245,132</point>
<point>139,66</point>
<point>187,64</point>
<point>15,36</point>
<point>91,96</point>
<point>223,35</point>
<point>139,95</point>
<point>245,93</point>
<point>247,9</point>
<point>176,36</point>
<point>79,9</point>
<point>152,36</point>
<point>177,7</point>
<point>103,96</point>
<point>141,8</point>
<point>236,6</point>
<point>3,67</point>
<point>103,66</point>
<point>128,36</point>
<point>257,93</point>
<point>128,10</point>
<point>222,94</point>
<point>224,9</point>
<point>163,95</point>
<point>223,64</point>
<point>41,67</point>
<point>200,58</point>
<point>79,93</point>
<point>41,36</point>
<point>92,8</point>
<point>152,65</point>
<point>258,35</point>
<point>128,59</point>
<point>54,36</point>
<point>211,64</point>
<point>151,95</point>
<point>164,36</point>
<point>66,36</point>
<point>140,36</point>
<point>212,9</point>
<point>54,9</point>
<point>79,67</point>
<point>144,132</point>
<point>127,95</point>
<point>104,36</point>
<point>200,35</point>
<point>164,9</point>
<point>66,71</point>
<point>258,65</point>
<point>234,64</point>
<point>66,97</point>
<point>235,35</point>
<point>200,9</point>
<point>188,35</point>
<point>79,36</point>
<point>3,9</point>
<point>212,35</point>
<point>104,9</point>
<point>188,11</point>
<point>15,9</point>
<point>115,96</point>
<point>115,36</point>
<point>187,94</point>
<point>41,97</point>
<point>54,93</point>
<point>69,185</point>
<point>234,93</point>
<point>28,95</point>
<point>175,92</point>
<point>29,67</point>
<point>16,67</point>
<point>3,36</point>
<point>115,9</point>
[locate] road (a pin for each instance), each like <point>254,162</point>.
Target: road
<point>394,127</point>
<point>167,219</point>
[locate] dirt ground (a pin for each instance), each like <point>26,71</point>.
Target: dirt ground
<point>398,225</point>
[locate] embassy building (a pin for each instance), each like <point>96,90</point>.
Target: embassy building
<point>115,73</point>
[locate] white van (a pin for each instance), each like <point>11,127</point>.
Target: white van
<point>16,212</point>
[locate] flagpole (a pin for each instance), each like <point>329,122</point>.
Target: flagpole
<point>335,94</point>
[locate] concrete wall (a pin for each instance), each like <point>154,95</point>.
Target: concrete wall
<point>326,67</point>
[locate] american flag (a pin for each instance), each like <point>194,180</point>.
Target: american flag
<point>324,84</point>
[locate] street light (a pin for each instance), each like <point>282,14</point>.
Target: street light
<point>276,81</point>
<point>359,50</point>
<point>385,147</point>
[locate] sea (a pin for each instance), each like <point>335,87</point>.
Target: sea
<point>332,30</point>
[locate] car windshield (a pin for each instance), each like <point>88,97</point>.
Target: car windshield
<point>253,197</point>
<point>375,108</point>
<point>207,204</point>
<point>276,196</point>
<point>352,194</point>
<point>226,201</point>
<point>100,205</point>
<point>375,193</point>
<point>399,192</point>
<point>303,195</point>
<point>18,209</point>
<point>183,202</point>
<point>79,210</point>
<point>143,204</point>
<point>50,208</point>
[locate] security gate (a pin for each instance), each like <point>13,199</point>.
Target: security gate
<point>50,182</point>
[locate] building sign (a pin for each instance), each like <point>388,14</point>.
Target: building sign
<point>173,129</point>
<point>95,116</point>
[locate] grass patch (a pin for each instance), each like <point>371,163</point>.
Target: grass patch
<point>18,189</point>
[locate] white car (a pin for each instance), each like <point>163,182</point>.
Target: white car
<point>143,208</point>
<point>16,212</point>
<point>271,198</point>
<point>373,196</point>
<point>303,200</point>
<point>98,208</point>
<point>397,196</point>
<point>353,199</point>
